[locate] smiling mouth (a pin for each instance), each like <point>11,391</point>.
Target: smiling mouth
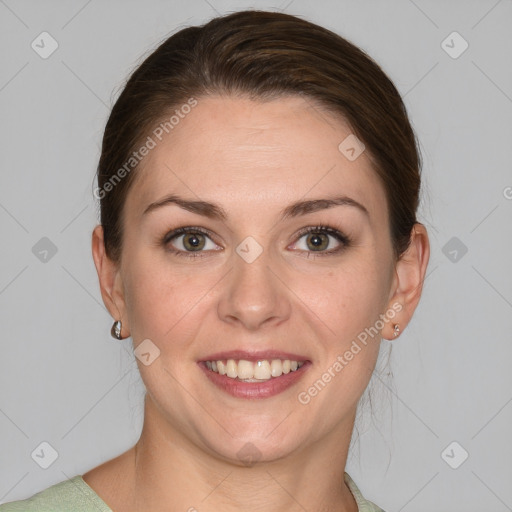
<point>249,371</point>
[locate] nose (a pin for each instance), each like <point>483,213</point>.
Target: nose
<point>255,294</point>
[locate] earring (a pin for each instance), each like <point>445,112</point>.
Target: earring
<point>116,330</point>
<point>396,330</point>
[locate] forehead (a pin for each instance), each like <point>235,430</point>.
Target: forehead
<point>252,154</point>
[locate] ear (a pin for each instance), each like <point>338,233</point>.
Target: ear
<point>408,280</point>
<point>111,283</point>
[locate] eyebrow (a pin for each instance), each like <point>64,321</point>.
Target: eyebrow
<point>296,209</point>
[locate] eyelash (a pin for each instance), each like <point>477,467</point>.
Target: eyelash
<point>340,237</point>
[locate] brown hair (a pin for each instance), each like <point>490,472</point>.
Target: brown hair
<point>264,55</point>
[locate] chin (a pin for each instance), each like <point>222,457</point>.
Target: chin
<point>253,447</point>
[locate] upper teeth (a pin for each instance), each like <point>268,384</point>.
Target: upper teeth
<point>253,372</point>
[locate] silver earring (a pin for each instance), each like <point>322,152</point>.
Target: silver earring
<point>116,330</point>
<point>396,330</point>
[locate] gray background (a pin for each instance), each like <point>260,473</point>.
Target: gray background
<point>65,381</point>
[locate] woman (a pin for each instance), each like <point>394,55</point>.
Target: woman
<point>258,184</point>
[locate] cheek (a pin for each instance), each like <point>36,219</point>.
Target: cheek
<point>347,300</point>
<point>349,304</point>
<point>164,304</point>
<point>155,299</point>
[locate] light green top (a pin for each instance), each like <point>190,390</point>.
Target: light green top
<point>74,495</point>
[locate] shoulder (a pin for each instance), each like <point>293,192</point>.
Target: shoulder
<point>73,495</point>
<point>363,504</point>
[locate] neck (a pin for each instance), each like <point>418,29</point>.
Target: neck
<point>167,468</point>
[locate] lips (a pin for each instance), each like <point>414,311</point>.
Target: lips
<point>260,374</point>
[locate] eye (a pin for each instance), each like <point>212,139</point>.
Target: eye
<point>193,240</point>
<point>318,239</point>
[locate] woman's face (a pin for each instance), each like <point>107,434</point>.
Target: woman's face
<point>252,283</point>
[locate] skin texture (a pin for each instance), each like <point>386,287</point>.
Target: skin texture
<point>253,158</point>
